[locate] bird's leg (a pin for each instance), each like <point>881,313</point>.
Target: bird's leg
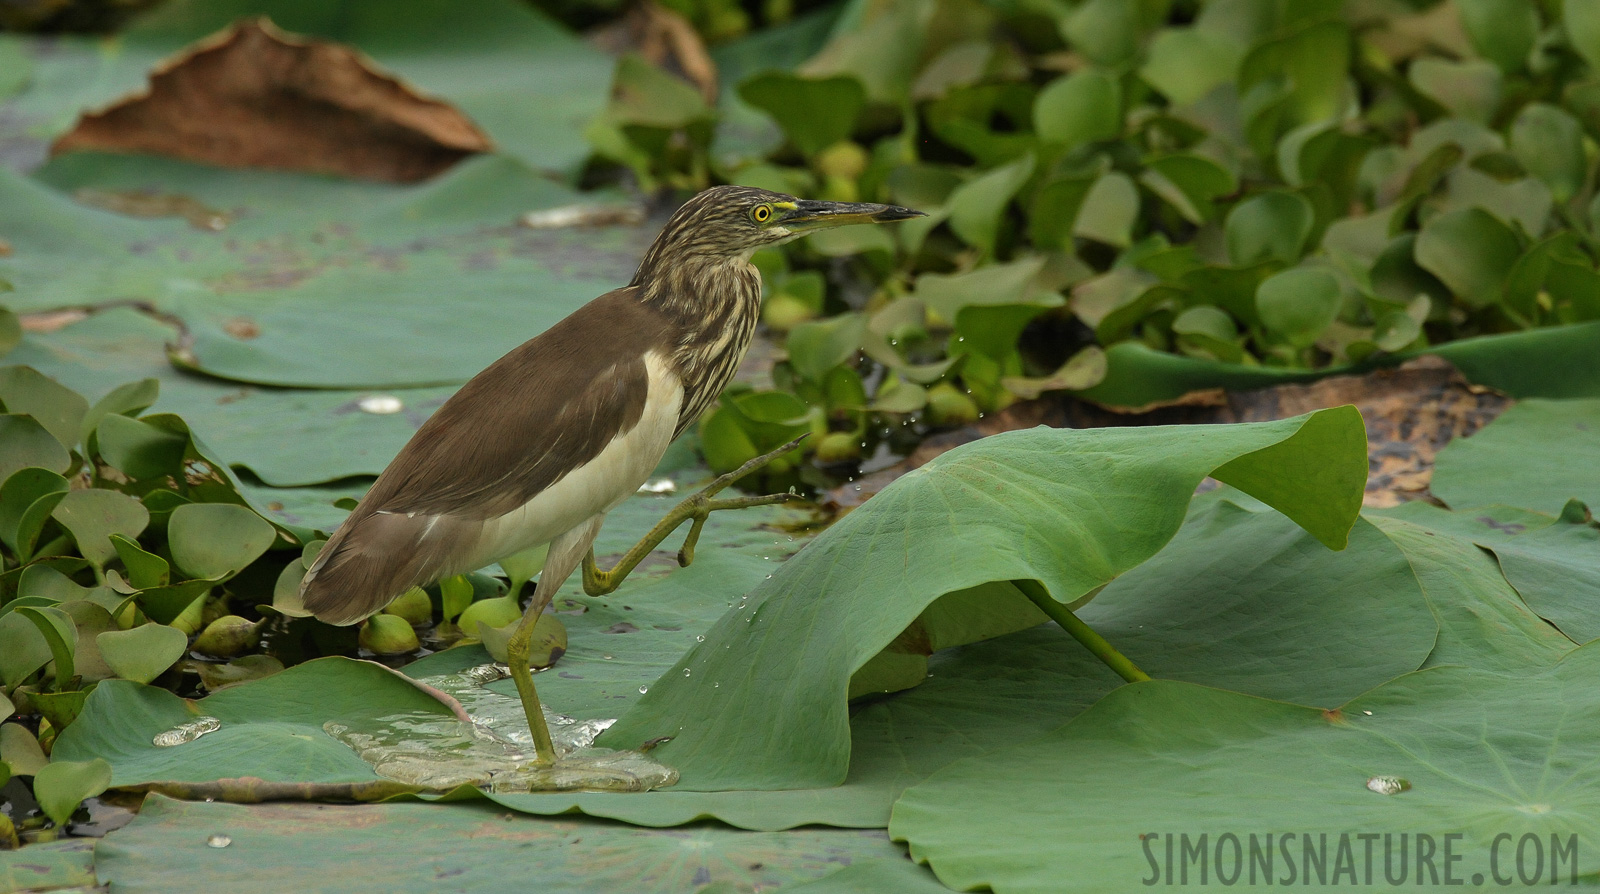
<point>598,582</point>
<point>563,555</point>
<point>517,649</point>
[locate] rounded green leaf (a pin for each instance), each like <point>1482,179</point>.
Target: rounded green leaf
<point>18,494</point>
<point>1187,63</point>
<point>126,399</point>
<point>1189,183</point>
<point>20,750</point>
<point>22,649</point>
<point>93,515</point>
<point>817,347</point>
<point>215,540</point>
<point>142,653</point>
<point>1469,89</point>
<point>1106,31</point>
<point>1082,107</point>
<point>28,445</point>
<point>1582,21</point>
<point>61,786</point>
<point>814,113</point>
<point>60,634</point>
<point>1471,252</point>
<point>58,408</point>
<point>1109,211</point>
<point>1298,304</point>
<point>975,206</point>
<point>1502,31</point>
<point>1271,226</point>
<point>138,449</point>
<point>1549,144</point>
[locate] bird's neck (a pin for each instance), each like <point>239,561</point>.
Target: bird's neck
<point>712,305</point>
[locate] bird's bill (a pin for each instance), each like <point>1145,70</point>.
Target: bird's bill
<point>809,215</point>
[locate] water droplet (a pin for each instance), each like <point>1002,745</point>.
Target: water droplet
<point>686,672</point>
<point>381,404</point>
<point>716,685</point>
<point>218,840</point>
<point>1368,713</point>
<point>659,487</point>
<point>1388,785</point>
<point>699,638</point>
<point>643,689</point>
<point>606,657</point>
<point>184,733</point>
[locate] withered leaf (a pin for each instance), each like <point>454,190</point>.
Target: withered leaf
<point>256,96</point>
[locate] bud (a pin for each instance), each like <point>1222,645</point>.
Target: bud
<point>227,636</point>
<point>413,605</point>
<point>838,447</point>
<point>784,312</point>
<point>388,635</point>
<point>949,405</point>
<point>845,159</point>
<point>496,612</point>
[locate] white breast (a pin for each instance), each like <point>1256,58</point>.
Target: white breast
<point>599,485</point>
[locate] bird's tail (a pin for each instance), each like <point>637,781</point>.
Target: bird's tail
<point>370,561</point>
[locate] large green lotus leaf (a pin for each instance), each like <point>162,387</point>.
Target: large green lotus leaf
<point>530,84</point>
<point>761,704</point>
<point>317,282</point>
<point>271,729</point>
<point>1553,563</point>
<point>1483,754</point>
<point>1556,363</point>
<point>1283,617</point>
<point>286,438</point>
<point>978,697</point>
<point>466,847</point>
<point>50,866</point>
<point>873,877</point>
<point>1538,455</point>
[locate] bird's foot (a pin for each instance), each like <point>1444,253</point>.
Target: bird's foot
<point>698,507</point>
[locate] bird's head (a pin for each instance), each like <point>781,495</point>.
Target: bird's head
<point>736,221</point>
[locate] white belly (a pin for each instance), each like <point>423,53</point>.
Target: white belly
<point>596,487</point>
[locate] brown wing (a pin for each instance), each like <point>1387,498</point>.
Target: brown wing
<point>519,426</point>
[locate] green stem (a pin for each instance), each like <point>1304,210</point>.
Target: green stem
<point>1081,632</point>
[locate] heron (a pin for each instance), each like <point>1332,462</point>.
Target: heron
<point>539,446</point>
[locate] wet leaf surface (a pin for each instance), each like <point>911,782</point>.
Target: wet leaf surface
<point>1537,455</point>
<point>332,848</point>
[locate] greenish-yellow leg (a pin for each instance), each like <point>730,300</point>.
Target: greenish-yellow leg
<point>517,649</point>
<point>597,582</point>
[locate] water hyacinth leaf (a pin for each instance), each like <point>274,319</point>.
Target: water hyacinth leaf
<point>1442,730</point>
<point>818,346</point>
<point>56,407</point>
<point>1190,183</point>
<point>1187,63</point>
<point>127,399</point>
<point>977,205</point>
<point>92,617</point>
<point>1502,31</point>
<point>1083,107</point>
<point>138,449</point>
<point>60,634</point>
<point>1525,202</point>
<point>1549,144</point>
<point>998,284</point>
<point>1271,226</point>
<point>1470,89</point>
<point>215,540</point>
<point>23,649</point>
<point>1299,304</point>
<point>20,750</point>
<point>814,113</point>
<point>1582,22</point>
<point>1083,370</point>
<point>1538,455</point>
<point>145,569</point>
<point>1208,331</point>
<point>1109,211</point>
<point>61,786</point>
<point>29,445</point>
<point>43,582</point>
<point>1470,251</point>
<point>1055,210</point>
<point>1318,466</point>
<point>144,652</point>
<point>92,516</point>
<point>1106,31</point>
<point>19,492</point>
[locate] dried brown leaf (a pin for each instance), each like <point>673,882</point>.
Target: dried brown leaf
<point>258,97</point>
<point>666,40</point>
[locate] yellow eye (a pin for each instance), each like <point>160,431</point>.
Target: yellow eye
<point>762,213</point>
